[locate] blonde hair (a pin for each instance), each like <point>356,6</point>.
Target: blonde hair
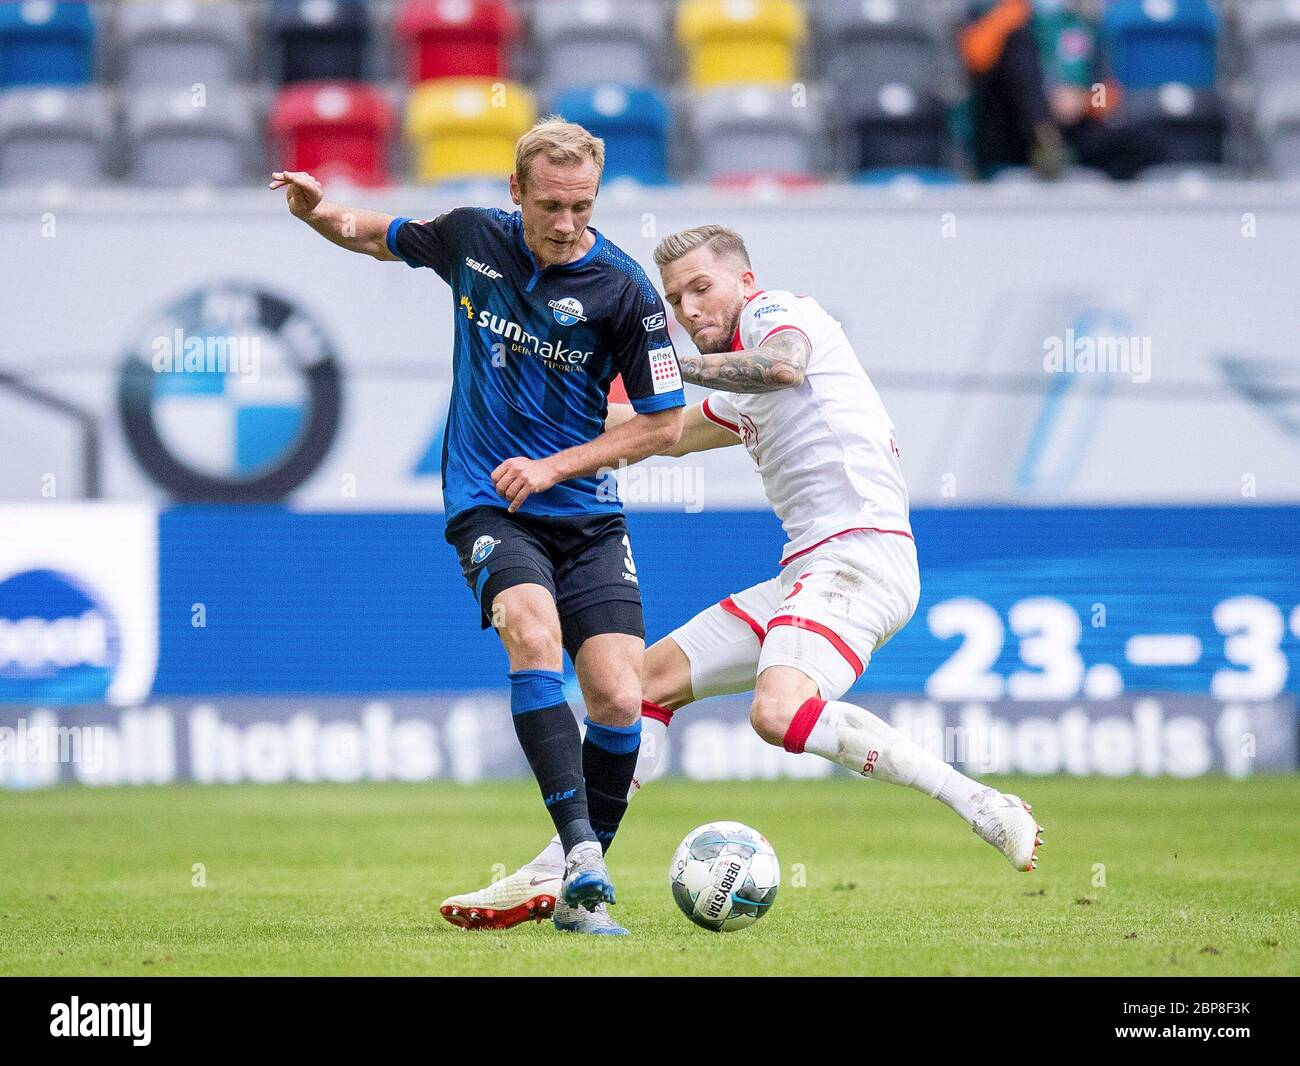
<point>560,142</point>
<point>720,240</point>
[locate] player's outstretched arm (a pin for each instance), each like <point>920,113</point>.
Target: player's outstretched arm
<point>778,363</point>
<point>698,433</point>
<point>352,228</point>
<point>636,439</point>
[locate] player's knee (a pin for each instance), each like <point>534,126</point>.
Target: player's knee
<point>770,716</point>
<point>532,642</point>
<point>617,703</point>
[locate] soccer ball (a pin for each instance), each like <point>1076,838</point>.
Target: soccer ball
<point>724,876</point>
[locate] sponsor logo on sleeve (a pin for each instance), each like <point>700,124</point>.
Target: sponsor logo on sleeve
<point>664,371</point>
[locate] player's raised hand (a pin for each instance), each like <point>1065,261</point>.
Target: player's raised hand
<point>302,192</point>
<point>518,478</point>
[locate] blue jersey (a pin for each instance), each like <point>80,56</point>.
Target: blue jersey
<point>535,351</point>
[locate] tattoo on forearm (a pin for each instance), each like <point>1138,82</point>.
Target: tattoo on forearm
<point>777,363</point>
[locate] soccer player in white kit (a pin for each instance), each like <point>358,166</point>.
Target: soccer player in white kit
<point>789,387</point>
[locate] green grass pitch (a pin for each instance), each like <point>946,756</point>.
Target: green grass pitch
<point>1200,877</point>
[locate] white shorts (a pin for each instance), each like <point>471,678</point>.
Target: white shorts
<point>824,614</point>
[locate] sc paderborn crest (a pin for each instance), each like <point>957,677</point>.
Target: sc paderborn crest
<point>482,549</point>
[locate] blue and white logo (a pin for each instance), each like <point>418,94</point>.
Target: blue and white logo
<point>482,549</point>
<point>567,311</point>
<point>230,394</point>
<point>59,643</point>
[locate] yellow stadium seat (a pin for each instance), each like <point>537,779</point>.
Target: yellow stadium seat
<point>732,42</point>
<point>467,127</point>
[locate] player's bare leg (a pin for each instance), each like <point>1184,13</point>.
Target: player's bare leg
<point>787,711</point>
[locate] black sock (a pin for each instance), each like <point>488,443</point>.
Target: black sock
<point>608,762</point>
<point>552,744</point>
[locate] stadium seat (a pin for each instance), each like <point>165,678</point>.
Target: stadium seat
<point>894,126</point>
<point>333,129</point>
<point>1148,43</point>
<point>455,38</point>
<point>318,40</point>
<point>1279,127</point>
<point>632,121</point>
<point>467,127</point>
<point>592,42</point>
<point>45,43</point>
<point>171,143</point>
<point>1272,31</point>
<point>876,42</point>
<point>179,43</point>
<point>1185,125</point>
<point>54,134</point>
<point>741,42</point>
<point>755,130</point>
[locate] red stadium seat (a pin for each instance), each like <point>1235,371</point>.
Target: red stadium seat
<point>334,129</point>
<point>455,38</point>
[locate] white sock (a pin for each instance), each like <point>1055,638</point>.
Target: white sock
<point>867,745</point>
<point>653,738</point>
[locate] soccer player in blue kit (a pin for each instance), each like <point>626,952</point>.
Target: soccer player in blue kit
<point>547,312</point>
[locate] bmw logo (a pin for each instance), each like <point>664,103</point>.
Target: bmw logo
<point>482,549</point>
<point>230,394</point>
<point>567,311</point>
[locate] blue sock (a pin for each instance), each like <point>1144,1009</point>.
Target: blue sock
<point>549,735</point>
<point>608,762</point>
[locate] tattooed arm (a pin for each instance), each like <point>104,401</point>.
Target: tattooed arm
<point>778,363</point>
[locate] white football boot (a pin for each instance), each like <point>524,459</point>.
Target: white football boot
<point>580,920</point>
<point>1004,821</point>
<point>528,894</point>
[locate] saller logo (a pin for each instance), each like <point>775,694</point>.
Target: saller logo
<point>482,268</point>
<point>653,322</point>
<point>722,890</point>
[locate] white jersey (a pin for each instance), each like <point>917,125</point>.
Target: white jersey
<point>825,450</point>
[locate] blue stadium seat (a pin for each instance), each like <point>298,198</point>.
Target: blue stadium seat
<point>1150,42</point>
<point>632,120</point>
<point>318,40</point>
<point>45,43</point>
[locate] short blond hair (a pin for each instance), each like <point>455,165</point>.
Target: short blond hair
<point>560,142</point>
<point>720,240</point>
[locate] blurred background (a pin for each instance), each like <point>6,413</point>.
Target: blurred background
<point>1061,236</point>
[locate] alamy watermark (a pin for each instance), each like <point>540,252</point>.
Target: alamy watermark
<point>179,353</point>
<point>80,744</point>
<point>1089,354</point>
<point>669,483</point>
